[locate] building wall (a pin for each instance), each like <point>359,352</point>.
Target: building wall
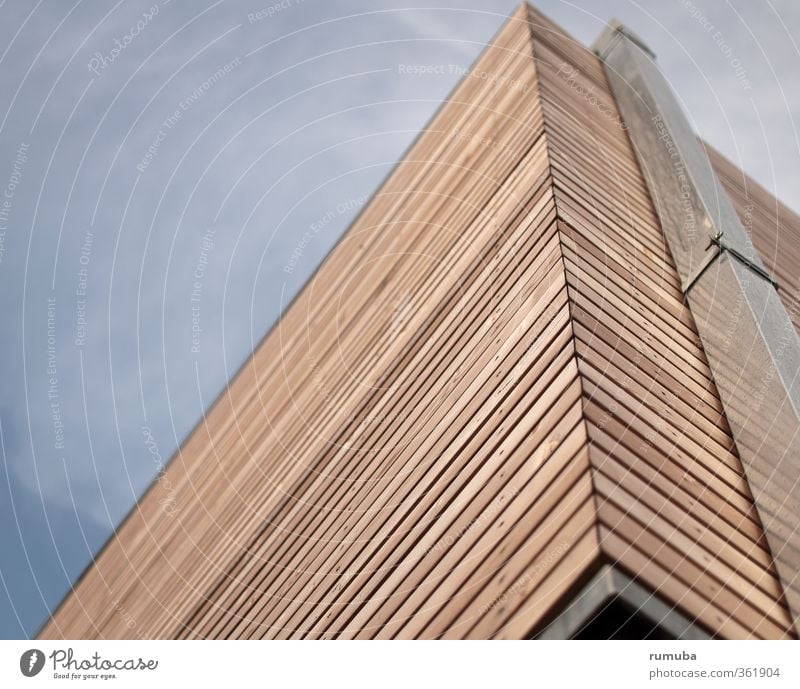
<point>674,507</point>
<point>774,228</point>
<point>489,388</point>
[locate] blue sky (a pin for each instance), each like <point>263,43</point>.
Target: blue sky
<point>163,165</point>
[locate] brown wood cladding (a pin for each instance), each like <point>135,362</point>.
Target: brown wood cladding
<point>674,508</point>
<point>774,228</point>
<point>489,388</point>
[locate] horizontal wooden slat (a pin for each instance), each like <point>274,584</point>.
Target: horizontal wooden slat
<point>490,387</point>
<point>649,394</point>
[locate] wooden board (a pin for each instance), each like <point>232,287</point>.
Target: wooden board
<point>773,226</point>
<point>489,388</point>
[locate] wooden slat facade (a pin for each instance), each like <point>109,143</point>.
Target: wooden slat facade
<point>489,389</point>
<point>773,226</point>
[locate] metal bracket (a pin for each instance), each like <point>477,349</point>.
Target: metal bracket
<point>716,240</point>
<point>615,31</point>
<point>750,341</point>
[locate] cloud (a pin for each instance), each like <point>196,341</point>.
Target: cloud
<point>315,117</point>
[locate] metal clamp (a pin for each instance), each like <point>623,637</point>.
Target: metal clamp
<point>716,240</point>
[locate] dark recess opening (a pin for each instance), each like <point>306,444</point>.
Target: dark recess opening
<point>617,620</point>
